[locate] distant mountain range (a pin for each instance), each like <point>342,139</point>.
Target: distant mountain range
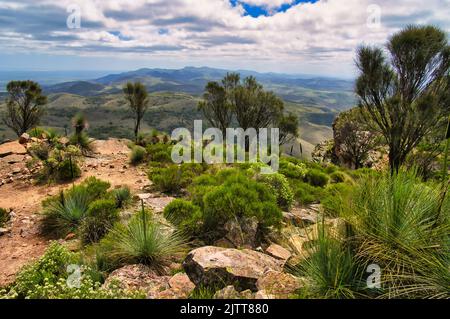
<point>174,96</point>
<point>326,92</point>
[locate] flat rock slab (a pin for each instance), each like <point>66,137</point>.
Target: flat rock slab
<point>279,285</point>
<point>158,204</point>
<point>223,267</point>
<point>11,148</point>
<point>13,159</point>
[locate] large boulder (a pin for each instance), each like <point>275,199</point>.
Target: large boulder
<point>12,148</point>
<point>220,267</point>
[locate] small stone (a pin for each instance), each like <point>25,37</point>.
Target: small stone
<point>4,231</point>
<point>24,138</point>
<point>278,252</point>
<point>70,236</point>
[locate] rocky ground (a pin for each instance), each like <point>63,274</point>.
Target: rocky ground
<point>234,264</point>
<point>20,241</point>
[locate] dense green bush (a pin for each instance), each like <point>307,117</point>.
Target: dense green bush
<point>174,178</point>
<point>316,178</point>
<point>63,214</point>
<point>280,187</point>
<point>306,194</point>
<point>50,278</point>
<point>184,215</point>
<point>101,216</point>
<point>230,194</point>
<point>67,170</point>
<point>296,170</point>
<point>137,155</point>
<point>337,177</point>
<point>141,240</point>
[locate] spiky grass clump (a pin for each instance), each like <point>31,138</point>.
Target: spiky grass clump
<point>122,196</point>
<point>64,216</point>
<point>332,268</point>
<point>403,225</point>
<point>141,241</point>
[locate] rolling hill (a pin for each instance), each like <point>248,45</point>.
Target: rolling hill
<point>174,98</point>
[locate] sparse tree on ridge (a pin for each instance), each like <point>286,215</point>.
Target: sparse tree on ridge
<point>288,126</point>
<point>137,97</point>
<point>24,106</point>
<point>405,94</point>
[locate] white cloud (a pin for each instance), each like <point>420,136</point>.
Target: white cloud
<point>319,37</point>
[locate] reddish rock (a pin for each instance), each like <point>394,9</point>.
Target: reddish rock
<point>278,252</point>
<point>279,285</point>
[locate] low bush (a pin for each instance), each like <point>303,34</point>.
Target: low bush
<point>306,194</point>
<point>280,187</point>
<point>174,178</point>
<point>52,277</point>
<point>230,194</point>
<point>184,215</point>
<point>140,241</point>
<point>122,196</point>
<point>137,155</point>
<point>102,214</point>
<point>63,214</point>
<point>337,177</point>
<point>296,170</point>
<point>316,178</point>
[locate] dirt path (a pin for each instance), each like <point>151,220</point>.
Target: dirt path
<point>24,243</point>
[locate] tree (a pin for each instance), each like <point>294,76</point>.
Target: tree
<point>288,125</point>
<point>137,97</point>
<point>352,138</point>
<point>404,94</point>
<point>254,107</point>
<point>24,106</point>
<point>217,106</point>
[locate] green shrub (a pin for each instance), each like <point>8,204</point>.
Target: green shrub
<point>316,178</point>
<point>337,177</point>
<point>306,194</point>
<point>141,240</point>
<point>101,216</point>
<point>184,215</point>
<point>174,178</point>
<point>40,150</point>
<point>122,196</point>
<point>64,215</point>
<point>67,170</point>
<point>293,170</point>
<point>279,185</point>
<point>37,132</point>
<point>4,217</point>
<point>334,198</point>
<point>402,224</point>
<point>49,278</point>
<point>137,155</point>
<point>82,141</point>
<point>332,269</point>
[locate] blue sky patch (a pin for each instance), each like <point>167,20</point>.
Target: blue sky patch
<point>257,11</point>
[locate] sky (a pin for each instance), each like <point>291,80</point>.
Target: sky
<point>289,36</point>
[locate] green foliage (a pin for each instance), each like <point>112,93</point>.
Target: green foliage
<point>403,225</point>
<point>332,268</point>
<point>306,194</point>
<point>335,197</point>
<point>174,178</point>
<point>4,216</point>
<point>137,155</point>
<point>40,150</point>
<point>63,214</point>
<point>316,178</point>
<point>141,240</point>
<point>337,177</point>
<point>24,106</point>
<point>49,278</point>
<point>137,98</point>
<point>122,196</point>
<point>61,163</point>
<point>102,214</point>
<point>291,169</point>
<point>279,185</point>
<point>184,215</point>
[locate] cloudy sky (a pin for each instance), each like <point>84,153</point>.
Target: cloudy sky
<point>291,36</point>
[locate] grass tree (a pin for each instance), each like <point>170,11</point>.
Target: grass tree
<point>24,106</point>
<point>137,97</point>
<point>405,93</point>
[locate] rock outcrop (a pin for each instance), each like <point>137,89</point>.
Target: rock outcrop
<point>220,267</point>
